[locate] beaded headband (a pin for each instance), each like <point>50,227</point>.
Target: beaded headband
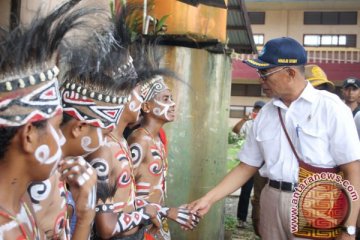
<point>94,108</point>
<point>153,87</point>
<point>30,99</point>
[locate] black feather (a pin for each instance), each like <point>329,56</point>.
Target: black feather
<point>147,56</point>
<point>26,50</point>
<point>96,65</point>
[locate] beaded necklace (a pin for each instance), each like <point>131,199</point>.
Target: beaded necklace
<point>6,214</point>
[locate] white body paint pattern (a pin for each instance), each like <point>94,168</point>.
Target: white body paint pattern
<point>164,111</point>
<point>132,104</point>
<point>92,198</point>
<point>39,192</point>
<point>86,142</point>
<point>127,221</point>
<point>143,190</point>
<point>158,169</point>
<point>84,177</point>
<point>21,217</point>
<point>102,168</point>
<point>136,154</point>
<point>42,153</point>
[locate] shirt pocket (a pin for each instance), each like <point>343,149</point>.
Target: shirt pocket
<point>314,144</point>
<point>268,139</point>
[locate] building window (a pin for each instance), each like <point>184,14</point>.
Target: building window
<point>259,39</point>
<point>257,17</point>
<point>330,18</point>
<point>329,40</point>
<point>249,90</point>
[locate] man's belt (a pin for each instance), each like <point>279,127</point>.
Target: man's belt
<point>283,186</point>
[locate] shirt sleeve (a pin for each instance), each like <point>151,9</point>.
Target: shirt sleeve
<point>250,152</point>
<point>344,141</point>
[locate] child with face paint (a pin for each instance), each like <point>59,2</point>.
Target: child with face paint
<point>113,164</point>
<point>94,92</point>
<point>149,154</point>
<point>30,119</point>
<point>116,216</point>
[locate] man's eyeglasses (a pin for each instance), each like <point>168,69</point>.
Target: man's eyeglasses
<point>263,76</point>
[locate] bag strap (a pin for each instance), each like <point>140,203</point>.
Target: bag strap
<point>287,136</point>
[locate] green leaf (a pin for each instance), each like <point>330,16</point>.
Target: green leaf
<point>112,10</point>
<point>161,23</point>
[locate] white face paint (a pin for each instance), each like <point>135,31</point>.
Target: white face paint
<point>157,111</point>
<point>132,104</point>
<point>42,153</point>
<point>135,104</point>
<point>86,142</point>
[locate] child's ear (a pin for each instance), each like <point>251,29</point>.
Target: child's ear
<point>29,137</point>
<point>146,106</point>
<point>79,128</point>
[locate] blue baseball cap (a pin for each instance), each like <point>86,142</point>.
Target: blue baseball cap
<point>282,51</point>
<point>259,104</point>
<point>351,81</point>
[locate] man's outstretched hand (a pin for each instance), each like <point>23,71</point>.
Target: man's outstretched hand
<point>200,206</point>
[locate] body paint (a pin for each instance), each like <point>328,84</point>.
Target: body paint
<point>102,168</point>
<point>142,189</point>
<point>21,217</point>
<point>164,111</point>
<point>86,142</point>
<point>132,104</point>
<point>39,191</point>
<point>42,153</point>
<point>136,154</point>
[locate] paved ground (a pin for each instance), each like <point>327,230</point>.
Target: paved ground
<point>243,233</point>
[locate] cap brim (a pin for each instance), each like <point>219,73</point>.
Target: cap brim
<point>316,82</point>
<point>350,84</point>
<point>258,64</point>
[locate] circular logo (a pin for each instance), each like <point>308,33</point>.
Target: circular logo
<point>324,205</point>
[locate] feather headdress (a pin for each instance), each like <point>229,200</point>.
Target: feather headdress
<point>28,74</point>
<point>100,76</point>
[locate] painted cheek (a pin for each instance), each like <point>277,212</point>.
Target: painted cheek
<point>62,140</point>
<point>101,138</point>
<point>135,103</point>
<point>165,109</point>
<point>42,153</point>
<point>87,141</point>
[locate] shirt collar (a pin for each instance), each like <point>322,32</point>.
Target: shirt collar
<point>308,94</point>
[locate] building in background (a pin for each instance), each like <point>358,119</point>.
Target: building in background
<point>328,29</point>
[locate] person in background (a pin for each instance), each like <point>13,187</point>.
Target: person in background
<point>317,77</point>
<point>351,93</point>
<point>244,125</point>
<point>242,128</point>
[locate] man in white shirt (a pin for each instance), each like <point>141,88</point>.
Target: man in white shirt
<point>316,122</point>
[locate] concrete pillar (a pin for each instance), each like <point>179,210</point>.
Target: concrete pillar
<point>198,137</point>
